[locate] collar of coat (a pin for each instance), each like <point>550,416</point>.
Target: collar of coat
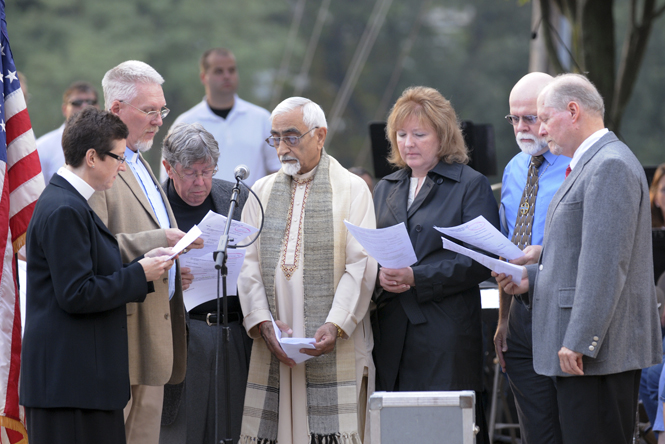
<point>451,171</point>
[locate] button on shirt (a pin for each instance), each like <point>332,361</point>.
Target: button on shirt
<point>151,190</point>
<point>550,176</point>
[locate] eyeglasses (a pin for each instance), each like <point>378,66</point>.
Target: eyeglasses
<point>151,114</point>
<point>515,120</point>
<point>81,102</point>
<point>120,159</point>
<point>191,177</point>
<point>291,141</point>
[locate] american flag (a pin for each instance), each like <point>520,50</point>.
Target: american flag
<point>21,183</point>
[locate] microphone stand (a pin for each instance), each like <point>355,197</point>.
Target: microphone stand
<point>220,264</point>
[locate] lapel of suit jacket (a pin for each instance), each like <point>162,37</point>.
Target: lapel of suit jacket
<point>577,172</point>
<point>169,211</point>
<point>63,183</point>
<point>217,193</point>
<point>436,176</point>
<point>425,189</point>
<point>396,200</point>
<point>135,187</point>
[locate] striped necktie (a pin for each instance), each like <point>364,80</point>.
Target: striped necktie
<point>522,231</point>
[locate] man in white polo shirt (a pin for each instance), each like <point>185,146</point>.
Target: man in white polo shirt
<point>239,127</point>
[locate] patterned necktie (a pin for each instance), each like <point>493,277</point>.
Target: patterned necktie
<point>522,231</point>
<point>568,170</point>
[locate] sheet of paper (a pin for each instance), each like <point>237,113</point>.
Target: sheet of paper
<point>212,228</point>
<point>482,234</point>
<point>391,246</point>
<point>292,346</point>
<point>204,285</point>
<point>514,271</point>
<point>187,239</point>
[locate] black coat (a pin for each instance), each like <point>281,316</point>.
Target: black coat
<point>429,337</point>
<point>75,343</point>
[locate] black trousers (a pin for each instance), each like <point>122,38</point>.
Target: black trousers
<point>195,419</point>
<point>74,426</point>
<point>535,395</point>
<point>598,409</point>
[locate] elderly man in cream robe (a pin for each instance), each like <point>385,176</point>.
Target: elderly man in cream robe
<point>316,280</point>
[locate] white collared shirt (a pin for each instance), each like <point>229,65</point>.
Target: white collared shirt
<point>588,143</point>
<point>151,190</point>
<point>79,184</point>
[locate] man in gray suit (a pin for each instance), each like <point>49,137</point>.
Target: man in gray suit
<point>595,321</point>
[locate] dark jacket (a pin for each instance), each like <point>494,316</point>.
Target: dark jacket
<point>429,337</point>
<point>75,343</point>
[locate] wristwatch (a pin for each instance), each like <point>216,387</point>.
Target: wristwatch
<point>340,332</point>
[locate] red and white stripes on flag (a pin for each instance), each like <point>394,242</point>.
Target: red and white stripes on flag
<point>22,183</point>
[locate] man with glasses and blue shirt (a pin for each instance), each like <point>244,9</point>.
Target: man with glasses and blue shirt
<point>309,274</point>
<point>529,182</point>
<point>49,147</point>
<point>239,127</point>
<point>138,213</point>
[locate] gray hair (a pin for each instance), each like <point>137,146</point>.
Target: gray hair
<point>312,114</point>
<point>119,83</point>
<point>566,88</point>
<point>187,144</point>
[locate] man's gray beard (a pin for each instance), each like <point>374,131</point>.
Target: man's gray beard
<point>143,146</point>
<point>290,169</point>
<point>531,148</point>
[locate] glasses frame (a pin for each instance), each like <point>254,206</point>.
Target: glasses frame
<point>151,114</point>
<point>515,120</point>
<point>196,176</point>
<point>296,139</point>
<point>120,159</point>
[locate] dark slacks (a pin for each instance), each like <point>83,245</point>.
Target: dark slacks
<point>195,420</point>
<point>598,408</point>
<point>74,426</point>
<point>535,395</point>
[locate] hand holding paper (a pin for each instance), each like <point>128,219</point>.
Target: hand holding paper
<point>292,346</point>
<point>187,239</point>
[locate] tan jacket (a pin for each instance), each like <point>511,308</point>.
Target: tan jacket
<point>156,327</point>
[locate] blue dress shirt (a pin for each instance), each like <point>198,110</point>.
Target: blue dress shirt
<point>551,174</point>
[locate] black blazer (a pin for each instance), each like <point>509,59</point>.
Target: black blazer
<point>75,342</point>
<point>436,324</point>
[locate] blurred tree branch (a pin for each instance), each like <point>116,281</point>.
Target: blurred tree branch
<point>592,46</point>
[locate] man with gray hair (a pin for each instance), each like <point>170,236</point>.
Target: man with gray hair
<point>309,274</point>
<point>190,158</point>
<point>595,320</point>
<point>138,213</point>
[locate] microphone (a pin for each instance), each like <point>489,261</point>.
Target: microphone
<point>241,172</point>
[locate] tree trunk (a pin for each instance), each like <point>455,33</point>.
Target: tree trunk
<point>597,43</point>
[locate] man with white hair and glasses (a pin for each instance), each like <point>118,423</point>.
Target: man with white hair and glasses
<point>529,182</point>
<point>137,212</point>
<point>314,278</point>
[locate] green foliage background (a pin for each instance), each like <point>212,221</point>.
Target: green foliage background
<point>473,51</point>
